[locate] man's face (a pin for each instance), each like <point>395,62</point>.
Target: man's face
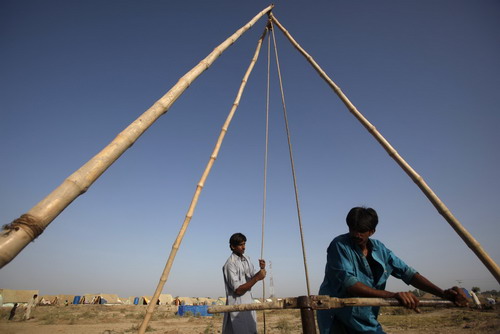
<point>239,249</point>
<point>360,237</point>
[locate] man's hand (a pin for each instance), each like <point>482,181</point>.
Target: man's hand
<point>408,299</point>
<point>456,295</point>
<point>262,264</point>
<point>261,274</point>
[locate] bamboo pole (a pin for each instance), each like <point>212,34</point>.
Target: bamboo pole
<point>473,244</point>
<point>17,235</point>
<point>199,188</point>
<point>321,303</point>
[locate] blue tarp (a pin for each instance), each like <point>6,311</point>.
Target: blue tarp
<point>194,309</point>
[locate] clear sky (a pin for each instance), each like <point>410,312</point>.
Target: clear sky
<point>75,73</point>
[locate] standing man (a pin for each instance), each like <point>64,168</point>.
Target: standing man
<point>358,266</point>
<point>239,278</point>
<point>31,305</point>
<point>13,311</point>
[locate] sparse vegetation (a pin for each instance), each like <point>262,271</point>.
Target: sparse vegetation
<point>209,329</point>
<point>135,328</point>
<point>88,319</point>
<point>284,326</point>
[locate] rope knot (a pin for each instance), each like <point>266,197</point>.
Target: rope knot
<point>30,224</point>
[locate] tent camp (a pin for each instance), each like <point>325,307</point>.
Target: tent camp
<point>17,296</point>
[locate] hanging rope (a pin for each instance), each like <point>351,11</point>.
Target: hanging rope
<point>264,196</point>
<point>292,163</point>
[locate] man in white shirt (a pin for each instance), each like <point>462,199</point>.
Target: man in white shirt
<point>239,278</point>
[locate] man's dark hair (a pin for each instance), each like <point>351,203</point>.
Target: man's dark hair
<point>362,219</point>
<point>237,239</point>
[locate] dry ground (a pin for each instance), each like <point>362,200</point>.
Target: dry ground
<point>102,319</point>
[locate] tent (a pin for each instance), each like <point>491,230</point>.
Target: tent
<point>187,300</point>
<point>144,300</point>
<point>48,300</point>
<point>205,301</point>
<point>106,298</point>
<point>128,301</point>
<point>220,301</point>
<point>63,298</point>
<point>17,296</point>
<point>89,299</point>
<point>166,299</point>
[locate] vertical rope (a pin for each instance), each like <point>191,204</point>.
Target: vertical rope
<point>292,165</point>
<point>264,196</point>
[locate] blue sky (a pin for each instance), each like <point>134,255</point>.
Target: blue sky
<point>76,73</point>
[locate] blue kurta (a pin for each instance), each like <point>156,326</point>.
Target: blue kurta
<point>346,265</point>
<point>237,271</point>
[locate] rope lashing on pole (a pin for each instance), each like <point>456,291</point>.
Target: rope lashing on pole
<point>472,243</point>
<point>12,242</point>
<point>28,223</point>
<point>199,188</point>
<point>292,164</point>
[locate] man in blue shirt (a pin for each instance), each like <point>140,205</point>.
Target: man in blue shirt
<point>239,278</point>
<point>358,266</point>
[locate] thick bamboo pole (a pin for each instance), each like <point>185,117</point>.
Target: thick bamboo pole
<point>17,235</point>
<point>321,303</point>
<point>473,244</point>
<point>199,188</point>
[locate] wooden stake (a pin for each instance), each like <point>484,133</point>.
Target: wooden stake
<point>473,244</point>
<point>199,188</point>
<point>17,235</point>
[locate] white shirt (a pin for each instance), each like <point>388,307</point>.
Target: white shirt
<point>238,271</point>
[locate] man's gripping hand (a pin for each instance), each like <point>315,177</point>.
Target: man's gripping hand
<point>408,300</point>
<point>456,295</point>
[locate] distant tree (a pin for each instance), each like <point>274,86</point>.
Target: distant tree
<point>476,289</point>
<point>418,293</point>
<point>493,293</point>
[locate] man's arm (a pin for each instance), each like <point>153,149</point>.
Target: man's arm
<point>406,299</point>
<point>260,275</point>
<point>454,294</point>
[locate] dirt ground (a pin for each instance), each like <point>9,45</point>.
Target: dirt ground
<point>103,319</point>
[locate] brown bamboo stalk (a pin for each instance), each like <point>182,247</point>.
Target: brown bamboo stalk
<point>199,188</point>
<point>473,244</point>
<point>23,230</point>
